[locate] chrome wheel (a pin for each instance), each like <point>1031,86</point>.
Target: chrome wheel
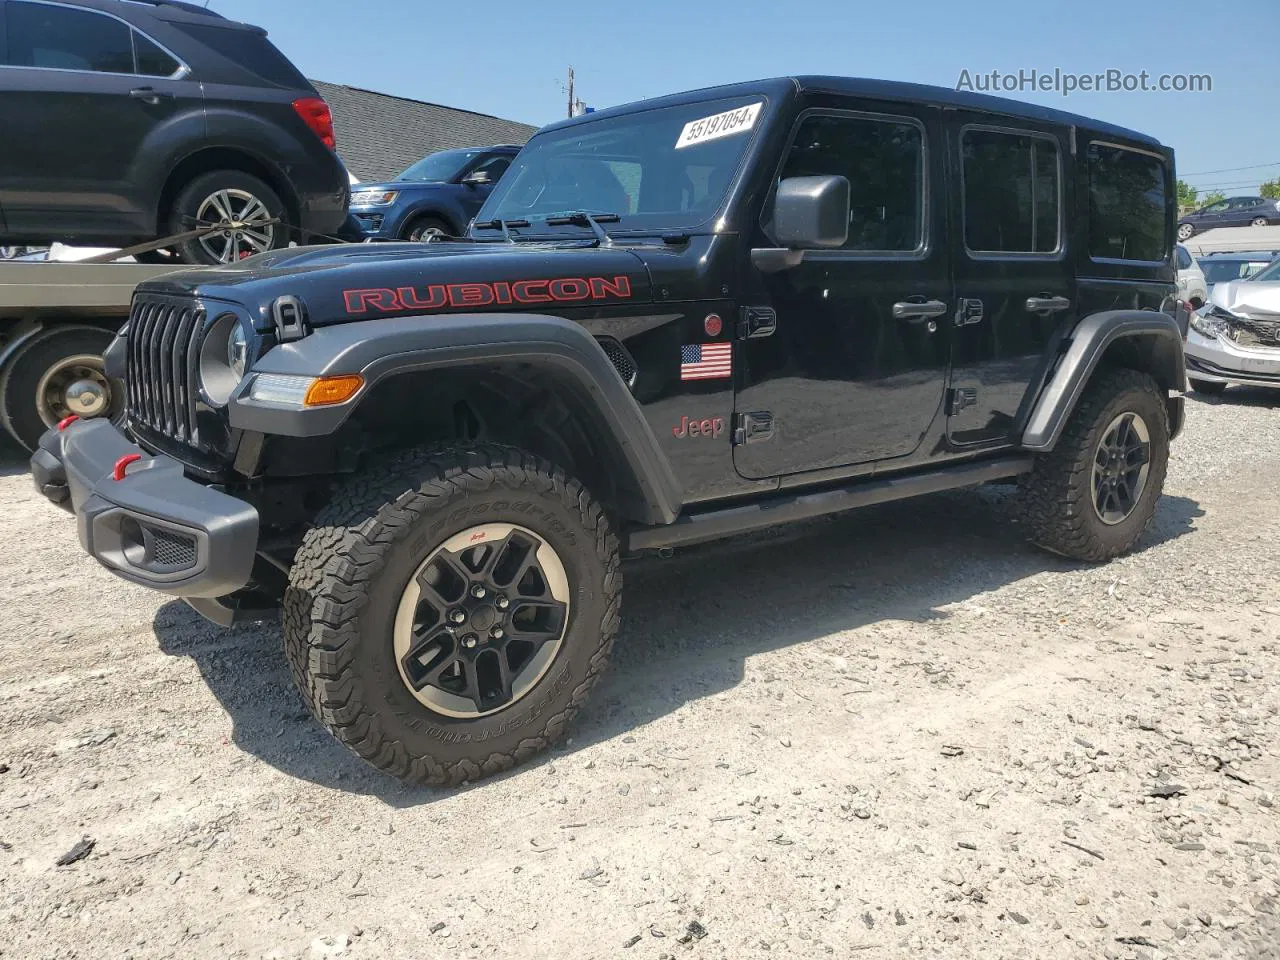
<point>1185,231</point>
<point>1120,465</point>
<point>481,620</point>
<point>75,385</point>
<point>1259,221</point>
<point>248,229</point>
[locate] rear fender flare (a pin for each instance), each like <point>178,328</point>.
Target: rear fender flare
<point>379,349</point>
<point>1155,335</point>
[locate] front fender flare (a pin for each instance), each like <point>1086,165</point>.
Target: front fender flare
<point>1089,342</point>
<point>378,349</point>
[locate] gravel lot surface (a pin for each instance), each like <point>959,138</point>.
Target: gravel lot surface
<point>897,733</point>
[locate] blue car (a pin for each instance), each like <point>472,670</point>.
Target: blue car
<point>437,196</point>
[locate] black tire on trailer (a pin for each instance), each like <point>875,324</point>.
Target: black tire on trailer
<point>222,196</point>
<point>57,373</point>
<point>1095,493</point>
<point>1210,388</point>
<point>450,610</point>
<point>422,229</point>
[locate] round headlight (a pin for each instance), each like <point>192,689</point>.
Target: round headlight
<point>237,350</point>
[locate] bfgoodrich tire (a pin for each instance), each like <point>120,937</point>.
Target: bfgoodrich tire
<point>1094,495</point>
<point>450,610</point>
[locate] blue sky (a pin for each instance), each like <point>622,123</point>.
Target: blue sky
<point>509,57</point>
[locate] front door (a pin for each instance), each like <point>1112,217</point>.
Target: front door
<point>495,165</point>
<point>848,364</point>
<point>1014,284</point>
<point>79,96</point>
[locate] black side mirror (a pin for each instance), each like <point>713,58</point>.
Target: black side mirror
<point>476,178</point>
<point>809,213</point>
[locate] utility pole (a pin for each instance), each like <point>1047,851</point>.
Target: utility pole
<point>570,92</point>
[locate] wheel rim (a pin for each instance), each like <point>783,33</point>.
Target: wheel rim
<point>427,234</point>
<point>1120,465</point>
<point>1185,231</point>
<point>481,620</point>
<point>74,385</point>
<point>235,206</point>
<point>1260,222</point>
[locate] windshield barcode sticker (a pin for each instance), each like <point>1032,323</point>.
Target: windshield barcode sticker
<point>721,125</point>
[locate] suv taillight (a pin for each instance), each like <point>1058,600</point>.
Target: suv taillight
<point>315,113</point>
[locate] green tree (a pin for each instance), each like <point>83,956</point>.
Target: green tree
<point>1271,189</point>
<point>1213,197</point>
<point>1186,194</point>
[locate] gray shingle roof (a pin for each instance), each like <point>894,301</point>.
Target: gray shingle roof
<point>379,135</point>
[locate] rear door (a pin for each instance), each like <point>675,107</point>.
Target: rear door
<point>1014,282</point>
<point>80,92</point>
<point>854,368</point>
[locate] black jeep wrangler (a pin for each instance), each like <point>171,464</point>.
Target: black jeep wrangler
<point>672,321</point>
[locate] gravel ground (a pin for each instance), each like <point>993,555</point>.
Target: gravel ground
<point>896,733</point>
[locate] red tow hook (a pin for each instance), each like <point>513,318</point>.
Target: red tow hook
<point>123,464</point>
<point>66,422</point>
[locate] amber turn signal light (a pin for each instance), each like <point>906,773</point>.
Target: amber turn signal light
<point>330,390</point>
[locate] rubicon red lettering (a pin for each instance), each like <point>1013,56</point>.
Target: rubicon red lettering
<point>437,295</point>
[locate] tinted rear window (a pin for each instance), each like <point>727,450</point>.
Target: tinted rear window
<point>1127,202</point>
<point>252,51</point>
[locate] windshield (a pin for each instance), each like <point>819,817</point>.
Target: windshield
<point>657,169</point>
<point>1220,271</point>
<point>1271,273</point>
<point>440,167</point>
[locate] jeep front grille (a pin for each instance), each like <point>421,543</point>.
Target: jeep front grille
<point>164,344</point>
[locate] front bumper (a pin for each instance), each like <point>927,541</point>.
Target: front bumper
<point>153,527</point>
<point>371,223</point>
<point>1218,360</point>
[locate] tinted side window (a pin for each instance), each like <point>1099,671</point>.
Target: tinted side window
<point>152,61</point>
<point>249,50</point>
<point>1184,259</point>
<point>495,166</point>
<point>41,35</point>
<point>1127,202</point>
<point>884,163</point>
<point>1011,189</point>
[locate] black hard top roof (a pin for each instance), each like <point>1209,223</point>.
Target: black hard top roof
<point>879,90</point>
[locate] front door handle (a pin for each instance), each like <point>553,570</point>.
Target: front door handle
<point>917,311</point>
<point>1047,304</point>
<point>150,95</point>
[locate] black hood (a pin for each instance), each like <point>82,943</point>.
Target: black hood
<point>367,281</point>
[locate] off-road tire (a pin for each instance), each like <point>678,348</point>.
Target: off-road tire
<point>353,565</point>
<point>19,406</point>
<point>1210,388</point>
<point>1055,500</point>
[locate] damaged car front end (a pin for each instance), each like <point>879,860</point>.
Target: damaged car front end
<point>1235,338</point>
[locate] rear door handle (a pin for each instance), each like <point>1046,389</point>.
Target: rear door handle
<point>915,311</point>
<point>150,94</point>
<point>1047,304</point>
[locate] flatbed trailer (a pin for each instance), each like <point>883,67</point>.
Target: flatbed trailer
<point>56,319</point>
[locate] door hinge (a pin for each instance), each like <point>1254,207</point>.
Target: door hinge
<point>290,319</point>
<point>752,427</point>
<point>968,311</point>
<point>757,322</point>
<point>960,397</point>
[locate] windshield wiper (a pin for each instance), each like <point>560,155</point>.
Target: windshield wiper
<point>499,224</point>
<point>580,218</point>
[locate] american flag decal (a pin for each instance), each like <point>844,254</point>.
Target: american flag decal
<point>706,361</point>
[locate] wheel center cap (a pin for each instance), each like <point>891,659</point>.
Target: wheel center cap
<point>483,617</point>
<point>86,398</point>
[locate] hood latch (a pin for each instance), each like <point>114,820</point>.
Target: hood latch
<point>290,318</point>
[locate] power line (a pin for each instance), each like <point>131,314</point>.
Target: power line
<point>1256,166</point>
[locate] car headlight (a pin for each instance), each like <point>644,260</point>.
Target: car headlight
<point>224,357</point>
<point>238,351</point>
<point>373,198</point>
<point>1207,324</point>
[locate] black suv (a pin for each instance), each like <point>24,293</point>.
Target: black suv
<point>124,121</point>
<point>673,321</point>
